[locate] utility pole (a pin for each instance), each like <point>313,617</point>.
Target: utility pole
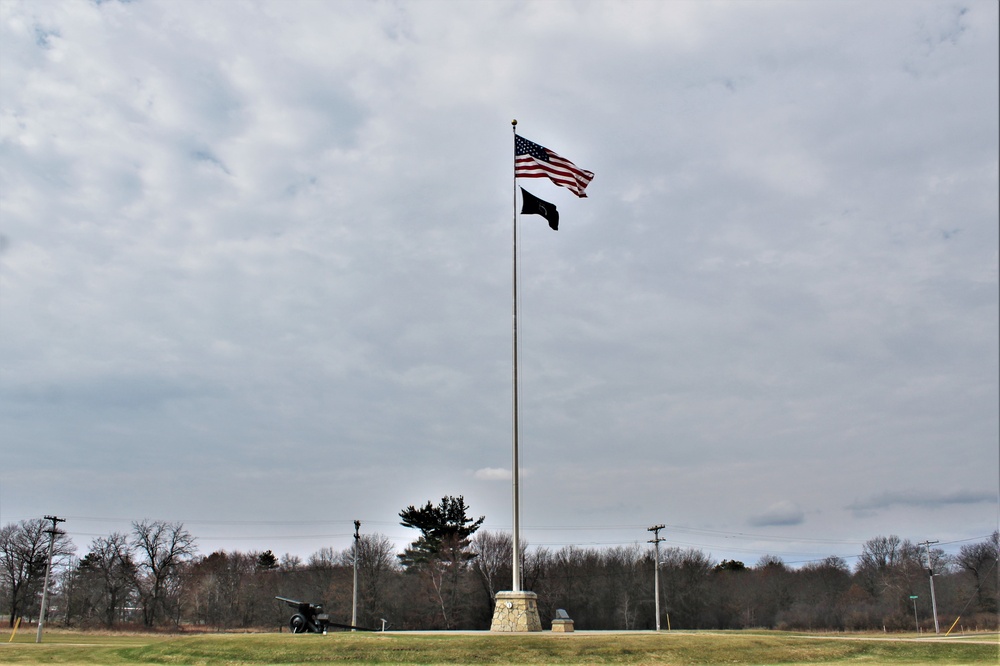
<point>655,529</point>
<point>930,573</point>
<point>48,568</point>
<point>357,538</point>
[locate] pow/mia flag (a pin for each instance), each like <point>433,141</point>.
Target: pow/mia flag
<point>532,205</point>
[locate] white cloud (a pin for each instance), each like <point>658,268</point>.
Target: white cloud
<point>492,474</point>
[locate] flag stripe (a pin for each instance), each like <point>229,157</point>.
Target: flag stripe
<point>534,161</point>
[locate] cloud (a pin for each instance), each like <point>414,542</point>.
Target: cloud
<point>105,393</point>
<point>492,474</point>
<point>921,499</point>
<point>778,514</point>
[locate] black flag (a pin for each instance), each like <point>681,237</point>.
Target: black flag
<point>532,205</point>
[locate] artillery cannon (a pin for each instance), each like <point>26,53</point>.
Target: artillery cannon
<point>310,618</point>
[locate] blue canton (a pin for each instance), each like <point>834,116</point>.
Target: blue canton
<point>524,147</point>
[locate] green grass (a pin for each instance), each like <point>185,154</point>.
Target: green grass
<point>485,648</point>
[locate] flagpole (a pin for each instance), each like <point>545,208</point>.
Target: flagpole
<point>515,465</point>
<point>515,610</point>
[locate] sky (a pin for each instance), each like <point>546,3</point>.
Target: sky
<point>257,267</point>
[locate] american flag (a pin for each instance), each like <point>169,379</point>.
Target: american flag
<point>534,161</point>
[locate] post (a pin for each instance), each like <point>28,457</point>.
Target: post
<point>655,529</point>
<point>930,573</point>
<point>354,611</point>
<point>515,464</point>
<point>48,568</point>
<point>913,597</point>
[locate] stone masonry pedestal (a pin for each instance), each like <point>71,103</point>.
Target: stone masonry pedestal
<point>516,611</point>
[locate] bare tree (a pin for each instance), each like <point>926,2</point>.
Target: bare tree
<point>23,552</point>
<point>772,590</point>
<point>324,558</point>
<point>263,588</point>
<point>376,565</point>
<point>221,592</point>
<point>818,587</point>
<point>628,575</point>
<point>980,561</point>
<point>492,565</point>
<point>889,569</point>
<point>104,581</point>
<point>884,562</point>
<point>161,549</point>
<point>493,562</point>
<point>324,573</point>
<point>686,575</point>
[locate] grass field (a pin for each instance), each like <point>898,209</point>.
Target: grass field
<point>485,648</point>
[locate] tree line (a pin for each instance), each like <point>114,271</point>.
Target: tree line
<point>153,577</point>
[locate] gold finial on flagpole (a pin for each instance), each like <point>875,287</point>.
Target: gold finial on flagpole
<point>514,122</point>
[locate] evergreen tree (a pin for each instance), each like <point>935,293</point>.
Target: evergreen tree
<point>441,554</point>
<point>445,532</point>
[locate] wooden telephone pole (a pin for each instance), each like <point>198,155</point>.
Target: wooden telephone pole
<point>48,568</point>
<point>930,573</point>
<point>655,529</point>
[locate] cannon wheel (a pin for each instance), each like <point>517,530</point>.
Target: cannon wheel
<point>298,624</point>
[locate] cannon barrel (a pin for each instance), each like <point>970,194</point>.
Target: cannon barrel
<point>290,602</point>
<point>302,606</point>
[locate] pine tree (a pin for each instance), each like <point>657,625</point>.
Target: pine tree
<point>445,531</point>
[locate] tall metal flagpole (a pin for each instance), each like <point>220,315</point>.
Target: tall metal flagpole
<point>515,465</point>
<point>515,610</point>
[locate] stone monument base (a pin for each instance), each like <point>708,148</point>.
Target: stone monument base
<point>562,626</point>
<point>562,622</point>
<point>516,611</point>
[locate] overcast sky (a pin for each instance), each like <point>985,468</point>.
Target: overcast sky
<point>256,270</point>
